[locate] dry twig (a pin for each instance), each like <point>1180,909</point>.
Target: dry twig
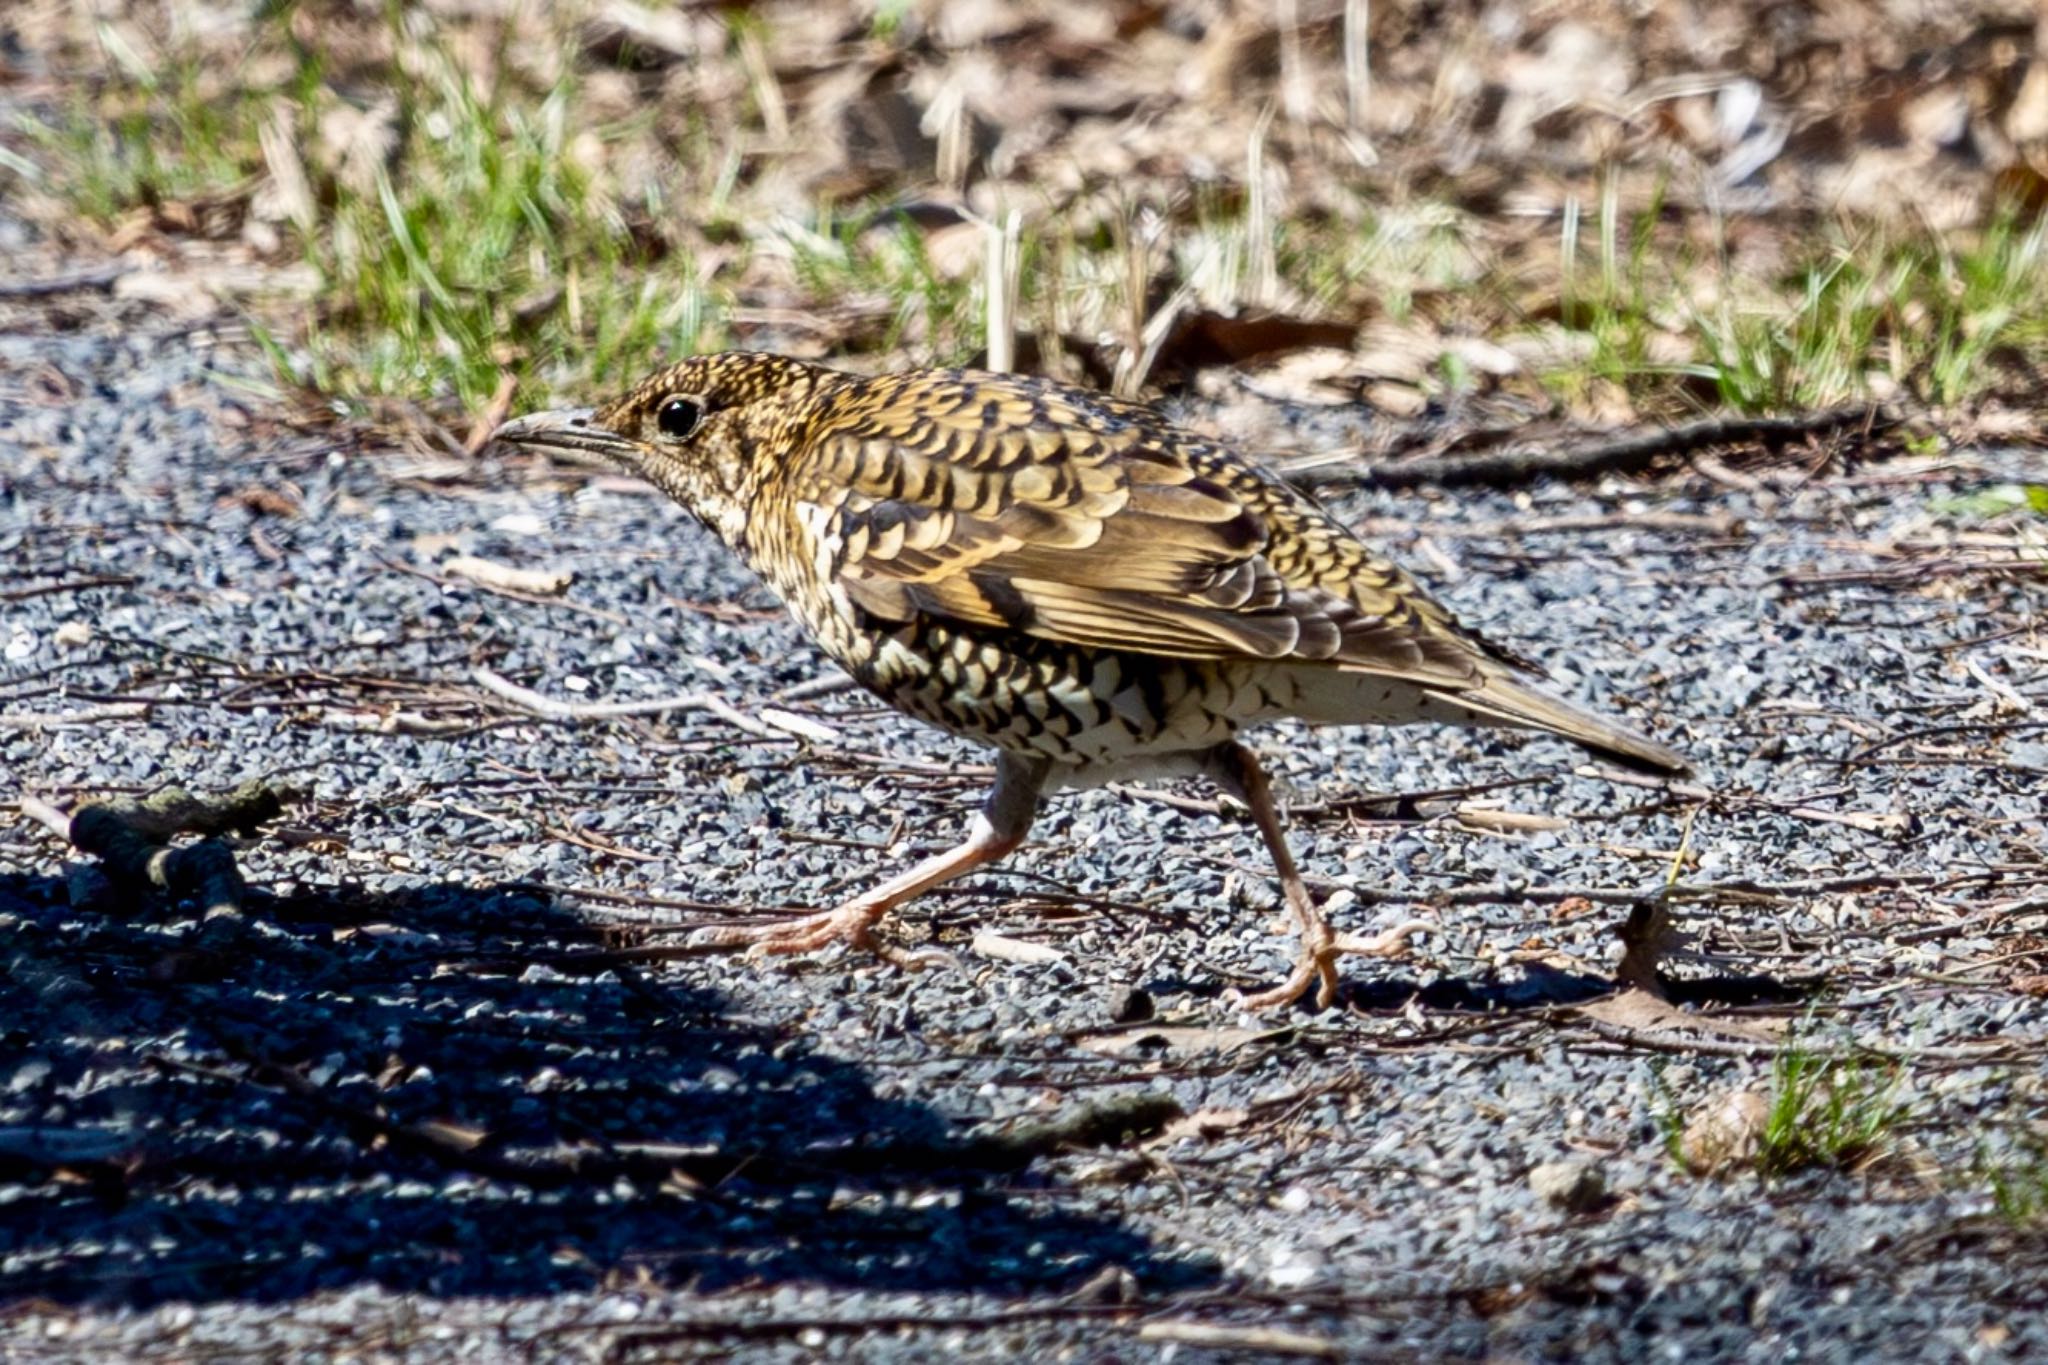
<point>131,838</point>
<point>1617,455</point>
<point>551,709</point>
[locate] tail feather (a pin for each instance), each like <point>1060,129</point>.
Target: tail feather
<point>1502,701</point>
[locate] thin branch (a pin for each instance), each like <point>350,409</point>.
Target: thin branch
<point>91,715</point>
<point>95,277</point>
<point>551,709</point>
<point>1617,455</point>
<point>72,585</point>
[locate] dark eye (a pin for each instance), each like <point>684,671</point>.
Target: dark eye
<point>678,417</point>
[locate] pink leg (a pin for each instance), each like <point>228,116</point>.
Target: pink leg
<point>1005,818</point>
<point>1238,772</point>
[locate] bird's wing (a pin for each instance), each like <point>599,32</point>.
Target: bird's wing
<point>999,501</point>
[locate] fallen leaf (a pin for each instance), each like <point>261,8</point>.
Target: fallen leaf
<point>263,501</point>
<point>1724,1131</point>
<point>1647,1011</point>
<point>1203,339</point>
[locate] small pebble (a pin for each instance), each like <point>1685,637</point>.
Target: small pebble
<point>1130,1005</point>
<point>1574,1186</point>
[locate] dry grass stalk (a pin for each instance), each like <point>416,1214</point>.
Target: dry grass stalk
<point>1000,280</point>
<point>1357,62</point>
<point>1262,266</point>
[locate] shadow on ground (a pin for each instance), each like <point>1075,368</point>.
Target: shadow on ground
<point>1536,987</point>
<point>426,1006</point>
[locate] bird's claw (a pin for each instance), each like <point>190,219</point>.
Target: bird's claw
<point>1387,943</point>
<point>1318,969</point>
<point>851,926</point>
<point>789,936</point>
<point>1317,965</point>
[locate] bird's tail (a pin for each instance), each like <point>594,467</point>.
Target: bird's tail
<point>1503,701</point>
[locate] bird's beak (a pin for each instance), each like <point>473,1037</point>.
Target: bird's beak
<point>572,432</point>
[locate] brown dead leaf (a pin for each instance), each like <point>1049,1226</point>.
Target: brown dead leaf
<point>1398,351</point>
<point>216,217</point>
<point>1937,117</point>
<point>1394,399</point>
<point>1313,375</point>
<point>1481,356</point>
<point>1496,820</point>
<point>287,195</point>
<point>1648,1012</point>
<point>647,37</point>
<point>355,144</point>
<point>2026,119</point>
<point>1203,339</point>
<point>957,251</point>
<point>2020,188</point>
<point>462,1137</point>
<point>1574,1186</point>
<point>1637,1010</point>
<point>1724,1132</point>
<point>1605,404</point>
<point>1490,1301</point>
<point>264,501</point>
<point>1274,1343</point>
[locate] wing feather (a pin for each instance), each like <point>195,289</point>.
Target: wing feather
<point>1094,523</point>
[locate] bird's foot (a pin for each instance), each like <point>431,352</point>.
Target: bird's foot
<point>852,924</point>
<point>1317,964</point>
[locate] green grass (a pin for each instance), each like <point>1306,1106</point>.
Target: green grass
<point>1987,296</point>
<point>499,236</point>
<point>1997,502</point>
<point>2019,1189</point>
<point>157,136</point>
<point>1827,1111</point>
<point>491,247</point>
<point>1923,314</point>
<point>1622,304</point>
<point>1822,1111</point>
<point>885,268</point>
<point>482,244</point>
<point>1668,1114</point>
<point>1850,318</point>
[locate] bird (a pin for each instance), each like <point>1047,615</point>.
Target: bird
<point>1069,578</point>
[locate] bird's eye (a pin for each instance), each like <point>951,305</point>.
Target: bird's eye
<point>679,417</point>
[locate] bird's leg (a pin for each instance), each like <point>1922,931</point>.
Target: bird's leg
<point>1005,818</point>
<point>1233,767</point>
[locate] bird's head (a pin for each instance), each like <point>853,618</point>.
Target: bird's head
<point>706,431</point>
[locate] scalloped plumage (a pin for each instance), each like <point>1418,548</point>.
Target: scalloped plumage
<point>1063,575</point>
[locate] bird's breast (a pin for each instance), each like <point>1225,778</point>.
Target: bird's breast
<point>1082,707</point>
<point>1078,707</point>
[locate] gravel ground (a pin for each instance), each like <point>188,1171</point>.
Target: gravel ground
<point>311,1119</point>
